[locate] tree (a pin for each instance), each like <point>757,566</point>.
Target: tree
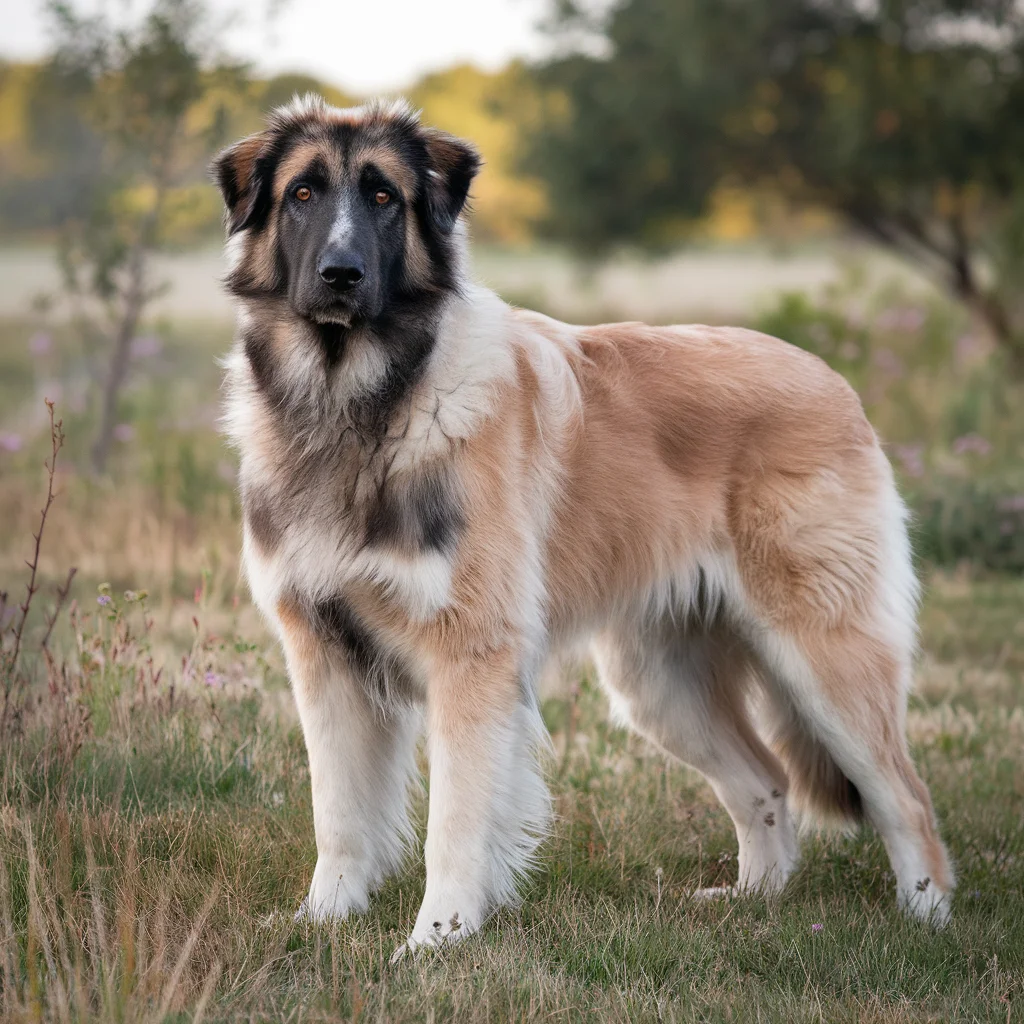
<point>145,105</point>
<point>905,117</point>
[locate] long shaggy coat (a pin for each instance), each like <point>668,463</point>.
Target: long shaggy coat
<point>440,490</point>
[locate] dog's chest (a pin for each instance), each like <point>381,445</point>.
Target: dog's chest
<point>311,539</point>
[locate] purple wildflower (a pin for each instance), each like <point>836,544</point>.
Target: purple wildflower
<point>907,319</point>
<point>911,458</point>
<point>145,347</point>
<point>968,348</point>
<point>40,343</point>
<point>817,927</point>
<point>103,599</point>
<point>213,679</point>
<point>889,363</point>
<point>972,444</point>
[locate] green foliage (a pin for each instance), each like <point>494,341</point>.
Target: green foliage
<point>56,151</point>
<point>905,117</point>
<point>980,522</point>
<point>140,95</point>
<point>123,113</point>
<point>821,328</point>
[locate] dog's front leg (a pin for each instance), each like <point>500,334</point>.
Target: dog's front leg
<point>489,806</point>
<point>360,766</point>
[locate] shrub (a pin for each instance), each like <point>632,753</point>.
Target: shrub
<point>975,521</point>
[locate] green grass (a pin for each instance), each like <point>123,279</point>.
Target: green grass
<point>156,832</point>
<point>155,870</point>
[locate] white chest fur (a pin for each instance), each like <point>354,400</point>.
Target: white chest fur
<point>318,547</point>
<point>316,562</point>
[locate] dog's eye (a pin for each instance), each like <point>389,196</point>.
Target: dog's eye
<point>381,197</point>
<point>302,193</point>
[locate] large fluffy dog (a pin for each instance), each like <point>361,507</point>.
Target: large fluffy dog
<point>439,490</point>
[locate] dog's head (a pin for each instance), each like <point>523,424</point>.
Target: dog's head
<point>344,212</point>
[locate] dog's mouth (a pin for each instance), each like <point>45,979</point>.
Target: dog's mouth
<point>340,316</point>
<point>339,313</point>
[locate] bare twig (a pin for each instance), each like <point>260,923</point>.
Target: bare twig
<point>10,673</point>
<point>62,596</point>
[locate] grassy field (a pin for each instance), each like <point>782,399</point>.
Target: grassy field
<point>156,835</point>
<point>155,824</point>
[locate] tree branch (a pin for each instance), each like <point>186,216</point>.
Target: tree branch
<point>62,596</point>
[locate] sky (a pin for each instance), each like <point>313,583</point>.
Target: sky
<point>362,46</point>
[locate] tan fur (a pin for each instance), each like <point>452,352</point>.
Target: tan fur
<point>389,163</point>
<point>710,503</point>
<point>299,158</point>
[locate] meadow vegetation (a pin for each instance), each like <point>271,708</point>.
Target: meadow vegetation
<point>155,825</point>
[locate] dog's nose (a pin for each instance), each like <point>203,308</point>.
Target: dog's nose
<point>341,271</point>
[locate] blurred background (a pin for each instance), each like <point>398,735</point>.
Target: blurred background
<point>845,174</point>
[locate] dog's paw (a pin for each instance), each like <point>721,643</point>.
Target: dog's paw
<point>336,891</point>
<point>434,936</point>
<point>928,903</point>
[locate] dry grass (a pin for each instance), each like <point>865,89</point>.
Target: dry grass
<point>155,823</point>
<point>154,877</point>
<point>156,835</point>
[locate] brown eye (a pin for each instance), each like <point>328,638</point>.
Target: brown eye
<point>302,193</point>
<point>382,198</point>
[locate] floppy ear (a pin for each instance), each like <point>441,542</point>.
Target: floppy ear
<point>453,166</point>
<point>240,173</point>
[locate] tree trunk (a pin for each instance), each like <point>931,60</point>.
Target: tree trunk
<point>986,305</point>
<point>134,300</point>
<point>117,371</point>
<point>952,264</point>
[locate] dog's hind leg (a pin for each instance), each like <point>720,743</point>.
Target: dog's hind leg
<point>685,692</point>
<point>842,739</point>
<point>831,597</point>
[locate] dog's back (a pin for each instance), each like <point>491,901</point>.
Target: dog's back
<point>439,490</point>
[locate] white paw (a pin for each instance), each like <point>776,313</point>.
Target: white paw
<point>336,891</point>
<point>434,935</point>
<point>927,902</point>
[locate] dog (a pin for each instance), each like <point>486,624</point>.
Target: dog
<point>440,490</point>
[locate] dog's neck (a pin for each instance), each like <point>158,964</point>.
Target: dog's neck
<point>399,388</point>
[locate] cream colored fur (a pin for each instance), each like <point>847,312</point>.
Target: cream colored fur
<point>709,505</point>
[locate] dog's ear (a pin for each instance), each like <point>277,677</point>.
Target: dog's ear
<point>240,172</point>
<point>453,164</point>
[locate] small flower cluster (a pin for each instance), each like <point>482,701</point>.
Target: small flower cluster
<point>972,444</point>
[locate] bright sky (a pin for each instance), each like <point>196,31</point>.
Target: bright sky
<point>359,45</point>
